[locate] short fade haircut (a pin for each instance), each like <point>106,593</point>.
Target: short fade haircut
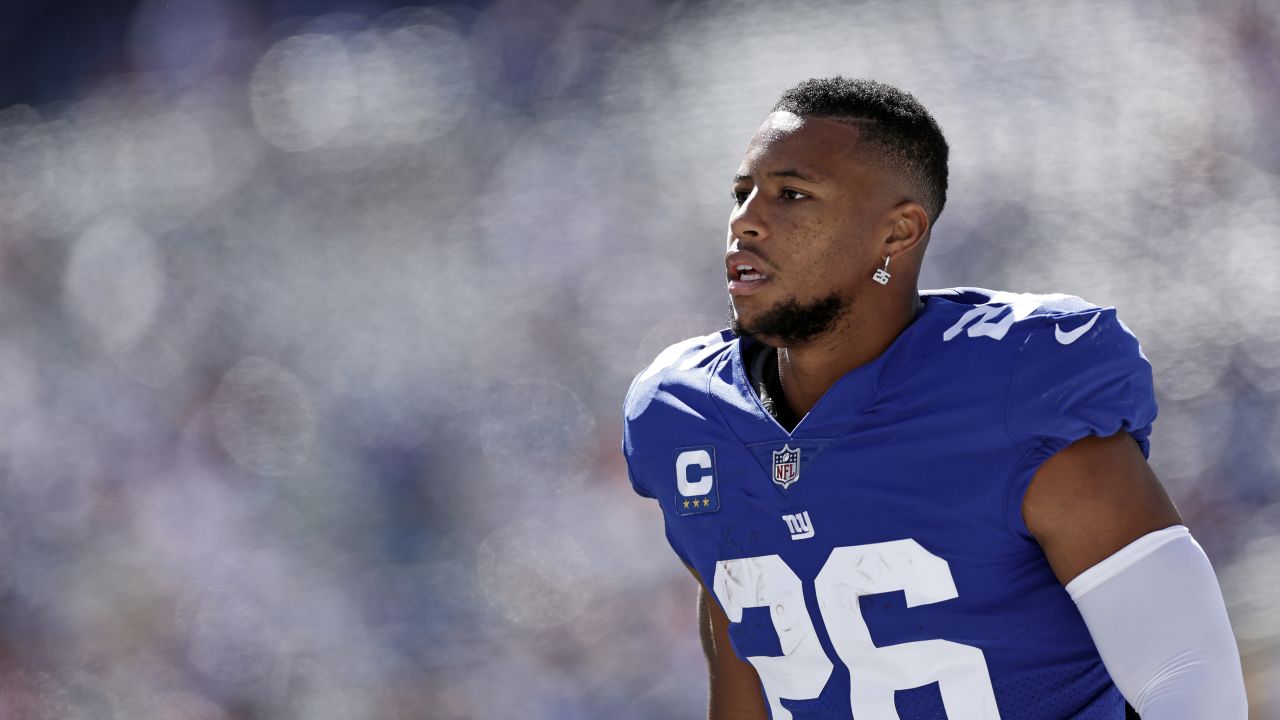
<point>893,123</point>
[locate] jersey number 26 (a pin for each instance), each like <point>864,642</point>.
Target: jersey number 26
<point>804,668</point>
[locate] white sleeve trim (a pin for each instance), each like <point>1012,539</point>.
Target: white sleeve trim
<point>1123,558</point>
<point>1156,615</point>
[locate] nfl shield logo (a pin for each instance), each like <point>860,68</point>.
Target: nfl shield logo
<point>786,466</point>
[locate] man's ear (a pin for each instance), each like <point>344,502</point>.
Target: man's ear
<point>909,225</point>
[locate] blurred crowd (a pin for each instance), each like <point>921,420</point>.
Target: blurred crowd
<point>315,322</point>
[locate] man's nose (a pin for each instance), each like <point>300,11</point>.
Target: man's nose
<point>747,220</point>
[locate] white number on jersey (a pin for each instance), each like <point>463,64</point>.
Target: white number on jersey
<point>875,673</point>
<point>999,314</point>
<point>986,324</point>
<point>803,668</point>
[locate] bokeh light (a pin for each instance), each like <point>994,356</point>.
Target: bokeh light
<point>531,572</point>
<point>264,417</point>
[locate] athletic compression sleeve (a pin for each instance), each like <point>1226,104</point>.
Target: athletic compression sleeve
<point>1156,613</point>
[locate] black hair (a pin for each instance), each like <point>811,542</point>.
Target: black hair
<point>893,123</point>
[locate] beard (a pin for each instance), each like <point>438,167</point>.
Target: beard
<point>790,323</point>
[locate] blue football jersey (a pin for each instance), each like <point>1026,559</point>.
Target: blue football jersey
<point>873,562</point>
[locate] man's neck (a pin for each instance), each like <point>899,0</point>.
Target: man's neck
<point>807,371</point>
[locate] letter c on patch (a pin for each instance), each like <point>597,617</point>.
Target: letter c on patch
<point>694,473</point>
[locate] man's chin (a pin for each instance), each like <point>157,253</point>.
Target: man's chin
<point>788,323</point>
<point>744,330</point>
<point>745,316</point>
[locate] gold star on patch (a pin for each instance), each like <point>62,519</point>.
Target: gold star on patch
<point>706,502</point>
<point>686,504</point>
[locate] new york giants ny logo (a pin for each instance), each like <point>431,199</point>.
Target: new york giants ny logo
<point>799,524</point>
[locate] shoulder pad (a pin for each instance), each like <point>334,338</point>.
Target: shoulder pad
<point>681,366</point>
<point>1080,373</point>
<point>1025,303</point>
<point>994,313</point>
<point>675,379</point>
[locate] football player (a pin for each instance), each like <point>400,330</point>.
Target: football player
<point>905,504</point>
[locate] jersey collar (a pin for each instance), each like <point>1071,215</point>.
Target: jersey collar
<point>853,394</point>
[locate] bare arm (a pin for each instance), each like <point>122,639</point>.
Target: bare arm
<point>1091,499</point>
<point>735,686</point>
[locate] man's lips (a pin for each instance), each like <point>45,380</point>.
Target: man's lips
<point>739,288</point>
<point>746,272</point>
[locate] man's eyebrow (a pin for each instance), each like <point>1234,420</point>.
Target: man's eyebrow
<point>787,173</point>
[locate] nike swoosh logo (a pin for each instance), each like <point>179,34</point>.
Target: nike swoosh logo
<point>1066,338</point>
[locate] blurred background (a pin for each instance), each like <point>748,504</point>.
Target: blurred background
<point>316,319</point>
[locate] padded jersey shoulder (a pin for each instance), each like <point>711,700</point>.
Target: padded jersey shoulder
<point>678,373</point>
<point>1066,369</point>
<point>1012,330</point>
<point>975,332</point>
<point>675,383</point>
<point>996,313</point>
<point>1077,368</point>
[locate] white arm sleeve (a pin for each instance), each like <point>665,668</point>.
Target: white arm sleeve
<point>1155,612</point>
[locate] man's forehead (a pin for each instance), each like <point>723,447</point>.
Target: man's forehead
<point>795,140</point>
<point>780,123</point>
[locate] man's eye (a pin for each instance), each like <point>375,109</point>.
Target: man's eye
<point>794,195</point>
<point>739,196</point>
